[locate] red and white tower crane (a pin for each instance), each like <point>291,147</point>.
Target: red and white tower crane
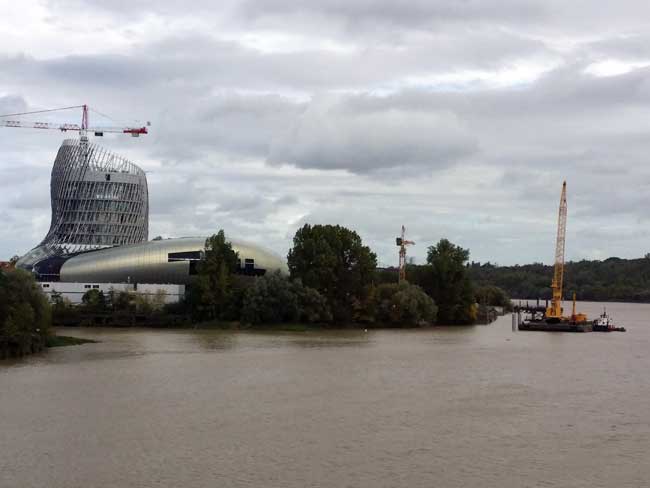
<point>402,243</point>
<point>7,120</point>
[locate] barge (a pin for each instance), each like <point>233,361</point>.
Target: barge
<point>538,321</point>
<point>555,326</point>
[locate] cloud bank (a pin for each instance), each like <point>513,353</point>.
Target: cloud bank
<point>459,119</point>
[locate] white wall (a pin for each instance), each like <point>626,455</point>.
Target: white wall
<point>75,291</point>
<point>173,293</point>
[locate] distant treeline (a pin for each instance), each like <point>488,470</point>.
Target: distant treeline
<point>614,279</point>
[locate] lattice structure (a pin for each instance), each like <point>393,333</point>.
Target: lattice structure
<point>555,310</point>
<point>99,200</point>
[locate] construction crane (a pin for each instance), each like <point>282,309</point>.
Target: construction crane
<point>402,243</point>
<point>82,128</point>
<point>554,311</point>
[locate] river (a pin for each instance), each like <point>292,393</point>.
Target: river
<point>451,407</point>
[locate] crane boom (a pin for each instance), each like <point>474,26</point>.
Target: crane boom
<point>64,127</point>
<point>71,127</point>
<point>555,310</point>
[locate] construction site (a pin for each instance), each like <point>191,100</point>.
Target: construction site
<point>551,318</point>
<point>99,227</point>
<point>99,230</point>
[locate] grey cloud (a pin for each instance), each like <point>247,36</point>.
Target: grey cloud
<point>166,64</point>
<point>333,135</point>
<point>12,104</point>
<point>348,141</point>
<point>402,12</point>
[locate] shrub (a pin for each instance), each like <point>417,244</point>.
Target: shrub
<point>270,300</point>
<point>25,315</point>
<point>403,305</point>
<point>273,299</point>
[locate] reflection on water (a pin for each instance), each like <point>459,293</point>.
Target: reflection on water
<point>451,406</point>
<point>223,340</point>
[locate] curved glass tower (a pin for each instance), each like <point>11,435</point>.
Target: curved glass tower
<point>99,200</point>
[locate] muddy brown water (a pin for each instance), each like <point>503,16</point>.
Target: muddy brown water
<point>451,407</point>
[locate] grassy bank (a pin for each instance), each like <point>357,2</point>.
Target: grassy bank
<point>60,341</point>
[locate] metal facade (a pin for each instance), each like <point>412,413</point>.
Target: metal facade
<point>163,261</point>
<point>99,200</point>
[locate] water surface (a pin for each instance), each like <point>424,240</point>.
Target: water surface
<point>454,407</point>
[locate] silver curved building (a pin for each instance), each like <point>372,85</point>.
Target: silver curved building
<point>161,261</point>
<point>99,200</point>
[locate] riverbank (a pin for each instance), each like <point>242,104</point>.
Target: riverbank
<point>62,341</point>
<point>11,350</point>
<point>236,325</point>
<point>184,323</point>
<point>14,351</point>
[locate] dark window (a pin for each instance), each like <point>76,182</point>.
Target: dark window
<point>45,285</point>
<point>86,286</point>
<point>194,270</point>
<point>95,286</point>
<point>108,177</point>
<point>184,256</point>
<point>249,264</point>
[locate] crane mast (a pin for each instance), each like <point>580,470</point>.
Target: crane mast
<point>402,243</point>
<point>554,311</point>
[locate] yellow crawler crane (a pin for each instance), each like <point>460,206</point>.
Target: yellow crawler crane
<point>554,313</point>
<point>555,309</point>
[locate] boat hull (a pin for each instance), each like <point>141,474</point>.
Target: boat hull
<point>554,327</point>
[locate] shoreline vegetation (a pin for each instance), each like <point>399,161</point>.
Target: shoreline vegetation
<point>333,282</point>
<point>56,340</point>
<point>611,280</point>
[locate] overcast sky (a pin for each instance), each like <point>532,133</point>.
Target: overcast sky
<point>456,118</point>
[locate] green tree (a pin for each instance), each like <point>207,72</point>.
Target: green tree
<point>143,304</point>
<point>25,314</point>
<point>404,305</point>
<point>94,301</point>
<point>159,300</point>
<point>273,299</point>
<point>447,282</point>
<point>313,306</point>
<point>270,300</point>
<point>489,295</point>
<point>120,301</point>
<point>213,286</point>
<point>334,261</point>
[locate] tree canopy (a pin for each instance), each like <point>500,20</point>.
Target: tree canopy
<point>333,260</point>
<point>214,283</point>
<point>403,305</point>
<point>445,279</point>
<point>25,315</point>
<point>273,299</point>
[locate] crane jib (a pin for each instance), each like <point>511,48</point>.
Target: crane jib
<point>82,129</point>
